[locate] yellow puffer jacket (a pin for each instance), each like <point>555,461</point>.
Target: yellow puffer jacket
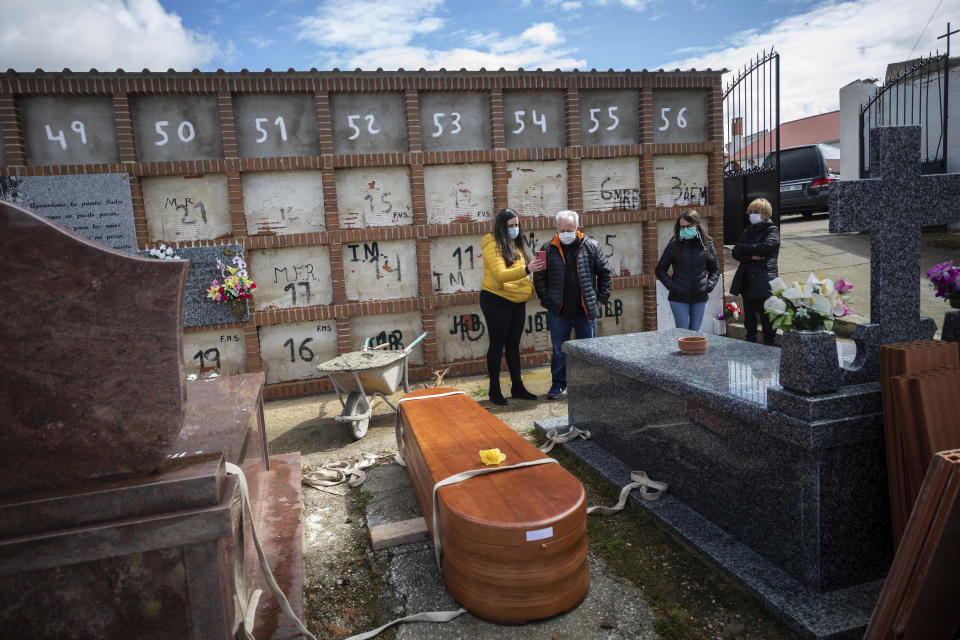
<point>510,282</point>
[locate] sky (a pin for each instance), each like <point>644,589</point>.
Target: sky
<point>823,45</point>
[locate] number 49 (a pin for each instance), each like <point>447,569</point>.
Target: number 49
<point>76,125</point>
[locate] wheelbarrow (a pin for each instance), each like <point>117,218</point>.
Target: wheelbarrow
<point>363,377</point>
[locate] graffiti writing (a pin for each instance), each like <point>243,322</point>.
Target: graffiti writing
<point>469,326</point>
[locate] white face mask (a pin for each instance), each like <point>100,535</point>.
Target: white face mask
<point>755,218</point>
<point>513,232</point>
<point>567,237</point>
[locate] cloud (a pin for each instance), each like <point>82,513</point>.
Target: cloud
<point>827,47</point>
<point>370,23</point>
<point>260,42</point>
<point>101,34</point>
<point>351,35</point>
<point>657,16</point>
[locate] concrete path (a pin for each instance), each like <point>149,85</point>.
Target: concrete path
<point>807,246</point>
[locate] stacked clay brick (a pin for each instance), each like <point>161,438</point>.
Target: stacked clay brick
<point>921,407</point>
<point>919,598</point>
<point>920,383</point>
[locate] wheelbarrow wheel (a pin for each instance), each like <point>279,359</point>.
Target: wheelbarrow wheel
<point>356,405</point>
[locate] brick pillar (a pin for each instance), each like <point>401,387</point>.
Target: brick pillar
<point>15,148</point>
<point>123,121</point>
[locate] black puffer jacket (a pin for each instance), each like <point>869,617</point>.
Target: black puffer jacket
<point>693,276</point>
<point>753,277</point>
<point>593,271</point>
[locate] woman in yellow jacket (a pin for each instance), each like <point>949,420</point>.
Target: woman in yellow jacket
<point>503,299</point>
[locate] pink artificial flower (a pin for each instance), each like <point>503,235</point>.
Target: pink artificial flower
<point>843,287</point>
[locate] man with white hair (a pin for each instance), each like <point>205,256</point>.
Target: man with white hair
<point>574,283</point>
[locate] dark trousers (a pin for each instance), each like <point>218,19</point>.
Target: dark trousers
<point>752,308</point>
<point>504,320</point>
<point>560,328</point>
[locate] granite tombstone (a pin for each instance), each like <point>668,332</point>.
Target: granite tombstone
<point>113,483</point>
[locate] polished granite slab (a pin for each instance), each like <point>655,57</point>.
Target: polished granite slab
<point>801,480</point>
<point>842,613</point>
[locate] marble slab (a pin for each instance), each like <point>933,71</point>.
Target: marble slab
<point>97,206</point>
<point>92,368</point>
<point>198,309</point>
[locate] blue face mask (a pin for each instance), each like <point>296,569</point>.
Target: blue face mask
<point>513,232</point>
<point>688,233</point>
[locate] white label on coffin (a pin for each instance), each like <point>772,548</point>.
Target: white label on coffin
<point>539,534</point>
<point>791,187</point>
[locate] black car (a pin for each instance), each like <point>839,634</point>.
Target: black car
<point>805,181</point>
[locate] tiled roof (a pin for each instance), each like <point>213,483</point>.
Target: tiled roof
<point>820,128</point>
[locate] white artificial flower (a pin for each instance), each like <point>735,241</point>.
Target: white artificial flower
<point>820,304</point>
<point>777,284</point>
<point>796,294</point>
<point>191,377</point>
<point>169,251</point>
<point>775,305</point>
<point>838,308</point>
<point>811,282</point>
<point>163,247</point>
<point>826,288</point>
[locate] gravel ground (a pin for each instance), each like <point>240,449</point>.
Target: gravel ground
<point>643,583</point>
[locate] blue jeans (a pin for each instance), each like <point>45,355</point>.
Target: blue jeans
<point>688,315</point>
<point>560,328</point>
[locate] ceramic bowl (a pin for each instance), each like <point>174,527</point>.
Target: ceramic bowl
<point>692,345</point>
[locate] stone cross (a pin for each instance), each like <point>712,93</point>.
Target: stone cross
<point>893,207</point>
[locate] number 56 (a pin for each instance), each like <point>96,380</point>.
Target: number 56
<point>681,121</point>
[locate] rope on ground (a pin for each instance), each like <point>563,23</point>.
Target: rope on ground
<point>568,435</point>
<point>434,616</point>
<point>649,490</point>
<point>334,473</point>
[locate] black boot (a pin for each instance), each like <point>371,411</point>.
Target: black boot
<point>496,397</point>
<point>517,390</point>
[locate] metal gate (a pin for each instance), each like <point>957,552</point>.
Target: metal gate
<point>916,96</point>
<point>751,136</point>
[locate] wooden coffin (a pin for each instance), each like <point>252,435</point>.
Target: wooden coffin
<point>514,543</point>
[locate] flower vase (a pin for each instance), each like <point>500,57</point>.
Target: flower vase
<point>951,327</point>
<point>239,308</point>
<point>720,326</point>
<point>809,362</point>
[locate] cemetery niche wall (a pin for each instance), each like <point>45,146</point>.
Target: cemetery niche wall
<point>358,199</point>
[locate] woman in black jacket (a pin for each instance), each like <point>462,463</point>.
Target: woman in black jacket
<point>757,249</point>
<point>695,270</point>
